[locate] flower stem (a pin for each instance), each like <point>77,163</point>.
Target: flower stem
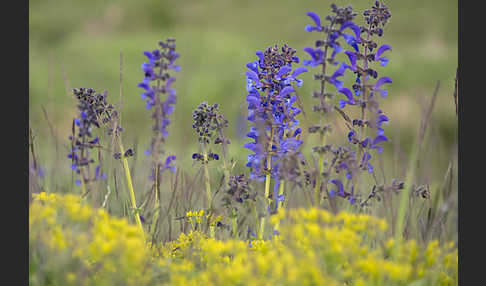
<point>208,189</point>
<point>267,184</point>
<point>317,197</point>
<point>157,199</point>
<point>235,227</point>
<point>280,204</point>
<point>130,186</point>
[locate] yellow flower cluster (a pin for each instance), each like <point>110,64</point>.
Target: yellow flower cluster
<point>195,216</point>
<point>314,248</point>
<point>70,241</point>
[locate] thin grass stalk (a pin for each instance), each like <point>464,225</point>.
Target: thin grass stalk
<point>208,190</point>
<point>281,190</point>
<point>130,186</point>
<point>404,199</point>
<point>157,204</point>
<point>234,222</point>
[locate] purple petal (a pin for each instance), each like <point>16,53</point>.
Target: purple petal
<point>352,58</point>
<point>311,52</point>
<point>148,54</point>
<point>298,71</point>
<point>253,66</point>
<point>286,90</point>
<point>315,18</point>
<point>383,61</point>
<point>381,49</point>
<point>382,81</point>
<point>338,184</point>
<point>144,85</point>
<point>379,139</point>
<point>356,29</point>
<point>297,132</point>
<point>346,92</point>
<point>253,76</point>
<point>176,68</point>
<point>283,70</point>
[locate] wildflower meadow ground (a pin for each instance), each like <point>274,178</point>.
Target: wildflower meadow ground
<point>301,189</point>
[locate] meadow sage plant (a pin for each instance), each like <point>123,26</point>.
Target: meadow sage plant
<point>93,112</point>
<point>157,83</point>
<point>339,22</point>
<point>272,113</point>
<point>208,123</point>
<point>367,133</point>
<point>161,98</point>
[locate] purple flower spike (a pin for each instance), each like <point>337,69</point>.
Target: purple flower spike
<point>161,100</point>
<point>317,21</point>
<point>270,103</point>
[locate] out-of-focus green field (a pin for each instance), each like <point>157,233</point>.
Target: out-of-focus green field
<point>82,41</point>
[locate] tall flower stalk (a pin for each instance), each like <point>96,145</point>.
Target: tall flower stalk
<point>161,98</point>
<point>340,21</point>
<point>272,115</point>
<point>207,121</point>
<point>365,90</point>
<point>94,111</point>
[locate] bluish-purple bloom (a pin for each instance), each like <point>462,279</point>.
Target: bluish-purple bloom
<point>271,108</point>
<point>157,83</point>
<point>317,21</point>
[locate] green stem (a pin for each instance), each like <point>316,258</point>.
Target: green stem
<point>235,227</point>
<point>404,198</point>
<point>267,188</point>
<point>156,190</point>
<point>317,189</point>
<point>280,192</point>
<point>208,190</point>
<point>280,204</point>
<point>130,186</point>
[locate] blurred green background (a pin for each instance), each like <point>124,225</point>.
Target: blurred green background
<point>78,44</point>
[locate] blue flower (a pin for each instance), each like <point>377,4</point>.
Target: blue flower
<point>317,21</point>
<point>383,60</point>
<point>365,161</point>
<point>338,73</point>
<point>317,57</point>
<point>340,189</point>
<point>156,71</point>
<point>379,83</point>
<point>356,29</point>
<point>349,95</point>
<point>271,101</point>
